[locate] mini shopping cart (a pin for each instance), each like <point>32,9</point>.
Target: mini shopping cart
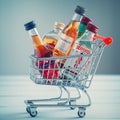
<point>48,71</point>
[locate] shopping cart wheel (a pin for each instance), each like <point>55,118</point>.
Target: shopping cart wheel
<point>32,111</point>
<point>72,102</point>
<point>28,109</point>
<point>81,112</point>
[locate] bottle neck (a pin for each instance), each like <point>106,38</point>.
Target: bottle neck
<point>35,37</point>
<point>90,35</point>
<point>33,32</point>
<point>57,30</point>
<point>77,17</point>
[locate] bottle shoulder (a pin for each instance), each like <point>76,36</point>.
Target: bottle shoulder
<point>52,34</point>
<point>71,29</point>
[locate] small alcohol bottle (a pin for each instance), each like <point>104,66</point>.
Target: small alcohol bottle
<point>69,34</point>
<point>52,37</point>
<point>47,68</point>
<point>41,50</point>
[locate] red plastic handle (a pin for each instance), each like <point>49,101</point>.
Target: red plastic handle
<point>107,40</point>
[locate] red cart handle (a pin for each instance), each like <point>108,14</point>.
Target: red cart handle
<point>107,40</point>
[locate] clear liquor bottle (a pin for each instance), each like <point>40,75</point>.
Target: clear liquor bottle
<point>52,37</point>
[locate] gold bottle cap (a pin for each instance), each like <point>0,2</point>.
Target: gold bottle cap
<point>59,25</point>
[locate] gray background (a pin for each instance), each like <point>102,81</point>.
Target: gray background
<point>16,47</point>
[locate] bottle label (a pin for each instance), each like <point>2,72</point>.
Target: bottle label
<point>69,74</point>
<point>77,61</point>
<point>71,61</point>
<point>64,43</point>
<point>82,49</point>
<point>50,46</point>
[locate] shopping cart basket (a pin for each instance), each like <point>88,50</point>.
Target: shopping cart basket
<point>48,71</point>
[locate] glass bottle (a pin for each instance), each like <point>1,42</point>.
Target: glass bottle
<point>86,40</point>
<point>82,27</point>
<point>41,50</point>
<point>47,68</point>
<point>82,45</point>
<point>69,34</point>
<point>52,37</point>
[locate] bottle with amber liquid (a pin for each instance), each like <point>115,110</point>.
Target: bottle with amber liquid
<point>47,68</point>
<point>52,37</point>
<point>41,50</point>
<point>69,34</point>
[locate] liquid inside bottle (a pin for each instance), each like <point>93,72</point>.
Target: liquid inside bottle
<point>69,34</point>
<point>47,68</point>
<point>41,50</point>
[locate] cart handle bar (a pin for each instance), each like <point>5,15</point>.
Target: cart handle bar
<point>107,40</point>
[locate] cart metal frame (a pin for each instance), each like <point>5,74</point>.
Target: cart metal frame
<point>81,84</point>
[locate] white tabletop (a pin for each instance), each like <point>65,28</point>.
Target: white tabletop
<point>104,92</point>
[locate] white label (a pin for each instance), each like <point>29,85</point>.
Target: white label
<point>71,61</point>
<point>64,43</point>
<point>77,61</point>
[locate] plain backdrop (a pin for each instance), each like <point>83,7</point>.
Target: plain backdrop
<point>16,47</point>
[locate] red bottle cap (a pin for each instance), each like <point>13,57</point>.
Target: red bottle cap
<point>85,20</point>
<point>92,28</point>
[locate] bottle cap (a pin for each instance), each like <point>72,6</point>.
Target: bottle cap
<point>85,20</point>
<point>92,28</point>
<point>29,25</point>
<point>59,25</point>
<point>80,10</point>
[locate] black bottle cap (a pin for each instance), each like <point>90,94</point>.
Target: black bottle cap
<point>29,25</point>
<point>80,10</point>
<point>92,28</point>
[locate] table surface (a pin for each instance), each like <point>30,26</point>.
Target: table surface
<point>104,92</point>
